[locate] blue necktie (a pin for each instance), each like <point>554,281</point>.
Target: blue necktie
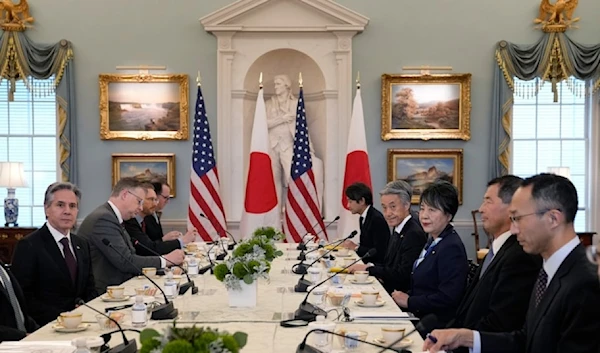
<point>487,261</point>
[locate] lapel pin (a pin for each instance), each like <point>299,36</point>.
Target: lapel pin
<point>78,248</point>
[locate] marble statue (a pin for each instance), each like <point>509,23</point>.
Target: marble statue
<point>281,121</point>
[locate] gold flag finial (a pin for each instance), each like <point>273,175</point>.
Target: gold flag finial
<point>358,79</point>
<point>260,80</point>
<point>199,79</point>
<point>300,79</point>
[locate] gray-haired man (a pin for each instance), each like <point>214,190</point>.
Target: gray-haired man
<point>406,242</point>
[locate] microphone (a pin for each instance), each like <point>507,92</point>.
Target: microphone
<point>164,311</point>
<point>300,268</point>
<point>302,255</point>
<point>229,246</point>
<point>426,324</point>
<point>308,311</point>
<point>182,288</point>
<point>304,348</point>
<point>303,284</point>
<point>212,264</point>
<point>302,245</point>
<point>125,347</point>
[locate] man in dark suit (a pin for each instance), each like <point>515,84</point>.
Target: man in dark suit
<point>406,241</point>
<point>563,310</point>
<point>105,222</point>
<point>52,264</point>
<point>374,230</point>
<point>15,324</point>
<point>153,227</point>
<point>498,297</point>
<point>136,227</point>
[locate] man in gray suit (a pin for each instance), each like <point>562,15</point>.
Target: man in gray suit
<point>106,222</point>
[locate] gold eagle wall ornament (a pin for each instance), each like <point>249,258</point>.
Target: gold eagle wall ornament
<point>557,17</point>
<point>14,17</point>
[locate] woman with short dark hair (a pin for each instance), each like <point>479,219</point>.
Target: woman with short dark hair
<point>439,275</point>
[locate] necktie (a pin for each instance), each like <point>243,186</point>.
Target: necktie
<point>540,286</point>
<point>69,259</point>
<point>360,220</point>
<point>143,224</point>
<point>487,261</point>
<point>12,297</point>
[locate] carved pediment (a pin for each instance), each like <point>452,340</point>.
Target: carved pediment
<point>284,16</point>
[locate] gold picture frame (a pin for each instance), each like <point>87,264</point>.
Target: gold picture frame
<point>425,107</point>
<point>144,166</point>
<point>143,107</point>
<point>420,167</point>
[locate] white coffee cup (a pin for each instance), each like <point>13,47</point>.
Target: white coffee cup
<point>69,320</point>
<point>369,297</point>
<point>149,271</point>
<point>391,334</point>
<point>361,276</point>
<point>115,292</point>
<point>314,274</point>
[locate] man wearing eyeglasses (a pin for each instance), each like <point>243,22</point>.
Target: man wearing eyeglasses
<point>106,222</point>
<point>136,228</point>
<point>152,221</point>
<point>563,311</point>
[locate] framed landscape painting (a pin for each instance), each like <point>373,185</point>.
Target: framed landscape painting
<point>425,106</point>
<point>144,166</point>
<point>143,107</point>
<point>420,167</point>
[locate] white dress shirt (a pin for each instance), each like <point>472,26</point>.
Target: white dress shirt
<point>498,242</point>
<point>57,238</point>
<point>551,266</point>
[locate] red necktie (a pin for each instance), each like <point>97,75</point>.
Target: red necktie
<point>143,226</point>
<point>69,259</point>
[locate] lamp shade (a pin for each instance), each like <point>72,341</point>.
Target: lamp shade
<point>562,171</point>
<point>11,175</point>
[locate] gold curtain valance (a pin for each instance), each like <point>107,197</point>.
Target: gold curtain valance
<point>555,58</point>
<point>23,59</point>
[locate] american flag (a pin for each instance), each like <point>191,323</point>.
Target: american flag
<point>302,214</point>
<point>205,211</point>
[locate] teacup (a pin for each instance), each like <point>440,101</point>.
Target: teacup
<point>115,292</point>
<point>361,276</point>
<point>149,271</point>
<point>69,320</point>
<point>369,297</point>
<point>391,334</point>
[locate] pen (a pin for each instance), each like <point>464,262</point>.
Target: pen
<point>432,338</point>
<point>118,307</point>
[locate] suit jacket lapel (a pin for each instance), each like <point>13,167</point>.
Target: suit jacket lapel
<point>81,280</point>
<point>55,254</point>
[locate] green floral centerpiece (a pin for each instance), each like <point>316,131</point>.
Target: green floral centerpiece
<point>191,340</point>
<point>250,260</point>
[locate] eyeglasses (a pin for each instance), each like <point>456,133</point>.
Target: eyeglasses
<point>168,197</point>
<point>516,219</point>
<point>140,200</point>
<point>592,254</point>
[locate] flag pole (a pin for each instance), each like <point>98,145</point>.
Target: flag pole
<point>300,79</point>
<point>358,80</point>
<point>199,79</point>
<point>260,85</point>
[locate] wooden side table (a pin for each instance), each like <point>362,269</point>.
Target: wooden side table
<point>9,236</point>
<point>586,238</point>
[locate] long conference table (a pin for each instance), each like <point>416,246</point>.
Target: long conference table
<point>276,300</point>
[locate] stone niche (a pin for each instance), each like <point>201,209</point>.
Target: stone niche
<point>312,37</point>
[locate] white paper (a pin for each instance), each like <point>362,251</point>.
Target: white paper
<point>31,346</point>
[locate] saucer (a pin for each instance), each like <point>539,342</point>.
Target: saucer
<point>406,342</point>
<point>368,281</point>
<point>377,304</point>
<point>106,298</point>
<point>59,328</point>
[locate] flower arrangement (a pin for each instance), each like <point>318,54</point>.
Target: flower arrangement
<point>251,259</point>
<point>191,340</point>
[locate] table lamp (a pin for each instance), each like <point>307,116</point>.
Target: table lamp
<point>11,177</point>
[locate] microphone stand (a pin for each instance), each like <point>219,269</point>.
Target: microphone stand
<point>300,268</point>
<point>308,311</point>
<point>305,348</point>
<point>182,288</point>
<point>127,346</point>
<point>302,245</point>
<point>164,311</point>
<point>229,246</point>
